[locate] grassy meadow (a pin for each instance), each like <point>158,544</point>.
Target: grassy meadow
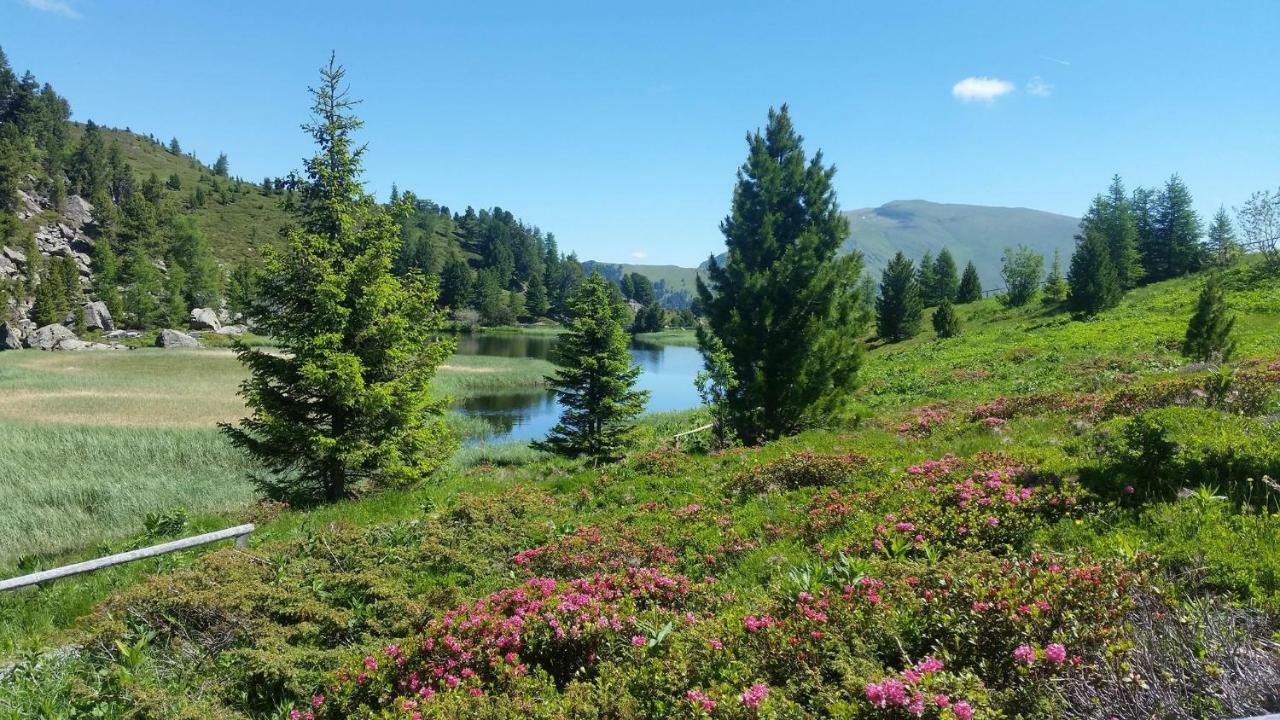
<point>96,441</point>
<point>1005,520</point>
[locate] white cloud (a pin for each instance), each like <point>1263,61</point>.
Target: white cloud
<point>1038,87</point>
<point>984,89</point>
<point>58,7</point>
<point>639,254</point>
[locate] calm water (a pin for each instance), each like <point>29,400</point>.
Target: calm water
<point>668,373</point>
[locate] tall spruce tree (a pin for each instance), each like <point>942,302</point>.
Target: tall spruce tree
<point>594,380</point>
<point>346,404</point>
<point>1092,279</point>
<point>1173,248</point>
<point>1121,230</point>
<point>926,280</point>
<point>1209,332</point>
<point>106,277</point>
<point>1222,246</point>
<point>970,289</point>
<point>899,309</point>
<point>945,277</point>
<point>784,304</point>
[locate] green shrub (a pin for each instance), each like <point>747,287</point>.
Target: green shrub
<point>1165,450</point>
<point>799,470</point>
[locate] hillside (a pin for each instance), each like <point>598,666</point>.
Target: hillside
<point>1006,531</point>
<point>972,232</point>
<point>237,223</point>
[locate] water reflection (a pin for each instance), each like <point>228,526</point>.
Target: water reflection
<point>668,373</point>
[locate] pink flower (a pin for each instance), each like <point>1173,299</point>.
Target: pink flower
<point>941,700</point>
<point>992,520</point>
<point>1128,489</point>
<point>1055,653</point>
<point>371,663</point>
<point>639,640</point>
<point>715,644</point>
<point>699,698</point>
<point>962,710</point>
<point>317,701</point>
<point>1025,653</point>
<point>752,696</point>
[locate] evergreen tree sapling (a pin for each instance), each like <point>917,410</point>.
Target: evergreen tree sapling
<point>594,379</point>
<point>345,405</point>
<point>970,289</point>
<point>899,308</point>
<point>1055,286</point>
<point>1209,332</point>
<point>1223,248</point>
<point>946,323</point>
<point>784,304</point>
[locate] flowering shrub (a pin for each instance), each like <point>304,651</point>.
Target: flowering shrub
<point>589,550</point>
<point>559,629</point>
<point>922,425</point>
<point>925,690</point>
<point>799,470</point>
<point>665,461</point>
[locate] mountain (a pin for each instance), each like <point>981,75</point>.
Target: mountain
<point>972,232</point>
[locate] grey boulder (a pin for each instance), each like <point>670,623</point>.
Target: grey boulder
<point>98,317</point>
<point>205,319</point>
<point>172,339</point>
<point>9,337</point>
<point>49,336</point>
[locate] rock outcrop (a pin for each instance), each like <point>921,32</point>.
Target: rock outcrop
<point>10,339</point>
<point>49,337</point>
<point>97,316</point>
<point>173,340</point>
<point>205,319</point>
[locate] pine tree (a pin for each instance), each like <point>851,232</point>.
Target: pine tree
<point>945,279</point>
<point>45,311</point>
<point>1223,248</point>
<point>346,404</point>
<point>175,147</point>
<point>1209,332</point>
<point>175,300</point>
<point>190,250</point>
<point>1094,286</point>
<point>1121,231</point>
<point>535,299</point>
<point>784,304</point>
<point>970,289</point>
<point>594,380</point>
<point>106,277</point>
<point>945,321</point>
<point>899,309</point>
<point>1055,286</point>
<point>927,281</point>
<point>220,167</point>
<point>1173,248</point>
<point>143,287</point>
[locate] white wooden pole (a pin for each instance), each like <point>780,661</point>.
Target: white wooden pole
<point>240,533</point>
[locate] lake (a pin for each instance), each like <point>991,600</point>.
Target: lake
<point>668,372</point>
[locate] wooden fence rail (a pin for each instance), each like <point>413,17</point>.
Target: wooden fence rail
<point>240,533</point>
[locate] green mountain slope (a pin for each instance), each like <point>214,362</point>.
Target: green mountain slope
<point>972,232</point>
<point>237,222</point>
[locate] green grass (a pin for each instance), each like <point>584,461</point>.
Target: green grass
<point>682,337</point>
<point>95,441</point>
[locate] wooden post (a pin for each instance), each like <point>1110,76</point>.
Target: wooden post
<point>240,533</point>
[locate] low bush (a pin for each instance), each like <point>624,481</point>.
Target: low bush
<point>799,470</point>
<point>1163,451</point>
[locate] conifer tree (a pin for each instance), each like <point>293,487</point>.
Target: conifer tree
<point>1092,279</point>
<point>175,302</point>
<point>220,167</point>
<point>927,281</point>
<point>1055,286</point>
<point>106,277</point>
<point>594,380</point>
<point>143,286</point>
<point>784,304</point>
<point>970,289</point>
<point>45,311</point>
<point>346,405</point>
<point>946,323</point>
<point>1223,248</point>
<point>945,278</point>
<point>1209,332</point>
<point>1173,247</point>
<point>175,147</point>
<point>899,309</point>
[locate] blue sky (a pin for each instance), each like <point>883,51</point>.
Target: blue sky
<point>619,126</point>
